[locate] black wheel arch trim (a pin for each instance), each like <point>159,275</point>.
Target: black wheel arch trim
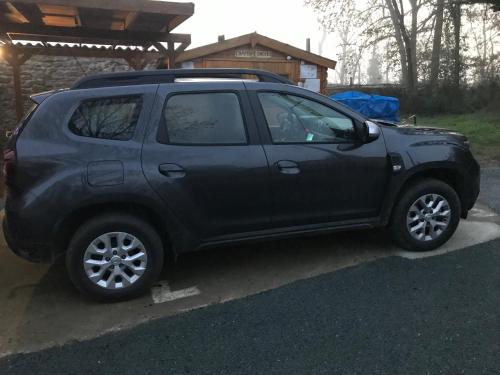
<point>447,171</point>
<point>171,230</point>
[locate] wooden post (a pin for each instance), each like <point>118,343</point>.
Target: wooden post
<point>15,59</point>
<point>171,55</point>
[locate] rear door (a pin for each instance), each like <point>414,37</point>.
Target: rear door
<point>204,158</point>
<point>320,170</point>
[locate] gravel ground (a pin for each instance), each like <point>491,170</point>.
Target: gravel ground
<point>435,315</point>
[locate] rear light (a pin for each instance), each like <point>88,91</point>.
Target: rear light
<point>9,163</point>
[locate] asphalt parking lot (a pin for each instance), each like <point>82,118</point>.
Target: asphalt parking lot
<point>347,303</point>
<point>392,316</point>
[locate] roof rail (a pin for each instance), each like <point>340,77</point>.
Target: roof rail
<point>170,75</point>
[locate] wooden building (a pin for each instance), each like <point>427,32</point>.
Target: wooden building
<point>259,52</point>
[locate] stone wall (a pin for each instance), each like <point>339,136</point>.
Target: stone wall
<point>42,73</point>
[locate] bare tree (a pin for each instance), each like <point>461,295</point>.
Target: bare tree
<point>349,20</point>
<point>436,44</point>
<point>374,71</point>
<point>426,36</point>
<point>456,18</point>
<point>484,27</point>
<point>406,37</point>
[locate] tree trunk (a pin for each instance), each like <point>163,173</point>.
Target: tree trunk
<point>456,14</point>
<point>485,64</point>
<point>408,41</point>
<point>436,43</point>
<point>399,41</point>
<point>343,62</point>
<point>412,56</point>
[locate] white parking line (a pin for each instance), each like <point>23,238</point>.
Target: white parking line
<point>469,233</point>
<point>479,212</point>
<point>161,293</point>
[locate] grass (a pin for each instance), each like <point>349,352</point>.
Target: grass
<point>482,129</point>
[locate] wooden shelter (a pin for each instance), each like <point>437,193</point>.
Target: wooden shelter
<point>256,51</point>
<point>139,31</point>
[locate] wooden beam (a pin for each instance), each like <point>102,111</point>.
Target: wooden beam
<point>82,32</point>
<point>29,11</point>
<point>9,13</point>
<point>162,7</point>
<point>130,19</point>
<point>161,49</point>
<point>150,22</point>
<point>90,52</point>
<point>95,18</point>
<point>176,21</point>
<point>183,39</point>
<point>91,35</point>
<point>171,55</point>
<point>181,48</point>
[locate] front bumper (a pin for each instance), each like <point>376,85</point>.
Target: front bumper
<point>472,187</point>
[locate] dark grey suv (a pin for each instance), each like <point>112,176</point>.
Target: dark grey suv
<point>122,168</point>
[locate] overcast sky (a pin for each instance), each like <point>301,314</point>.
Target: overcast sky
<point>288,21</point>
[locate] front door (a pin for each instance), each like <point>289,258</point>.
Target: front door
<point>205,161</point>
<point>320,170</point>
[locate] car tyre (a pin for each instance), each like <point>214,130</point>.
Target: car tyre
<point>144,262</point>
<point>426,215</point>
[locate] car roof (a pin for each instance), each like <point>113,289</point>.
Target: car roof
<point>171,75</point>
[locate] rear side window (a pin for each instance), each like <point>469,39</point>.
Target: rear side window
<point>107,118</point>
<point>205,118</point>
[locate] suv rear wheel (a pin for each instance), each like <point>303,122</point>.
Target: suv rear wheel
<point>114,257</point>
<point>426,216</point>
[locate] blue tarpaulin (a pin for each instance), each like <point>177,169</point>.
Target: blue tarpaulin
<point>372,106</point>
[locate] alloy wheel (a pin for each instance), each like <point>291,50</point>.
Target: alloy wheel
<point>115,260</point>
<point>428,217</point>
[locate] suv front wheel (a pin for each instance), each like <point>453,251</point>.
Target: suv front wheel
<point>426,215</point>
<point>114,257</point>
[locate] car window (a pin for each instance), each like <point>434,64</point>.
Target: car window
<point>205,118</point>
<point>107,118</point>
<point>293,119</point>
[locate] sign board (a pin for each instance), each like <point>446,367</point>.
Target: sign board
<point>187,65</point>
<point>308,71</point>
<point>253,53</point>
<point>313,84</point>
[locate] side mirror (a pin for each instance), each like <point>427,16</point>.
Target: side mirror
<point>371,131</point>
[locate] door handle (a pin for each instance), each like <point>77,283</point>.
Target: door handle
<point>288,167</point>
<point>172,170</point>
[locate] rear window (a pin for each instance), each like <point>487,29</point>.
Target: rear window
<point>205,118</point>
<point>107,118</point>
